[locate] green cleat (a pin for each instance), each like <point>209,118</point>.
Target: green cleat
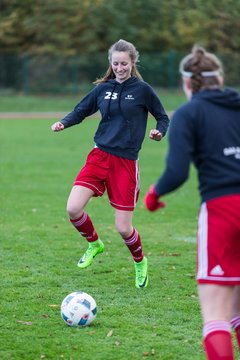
<point>94,248</point>
<point>141,273</point>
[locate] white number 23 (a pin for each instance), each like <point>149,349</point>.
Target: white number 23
<point>110,95</point>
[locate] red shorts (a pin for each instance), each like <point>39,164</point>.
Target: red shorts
<point>118,175</point>
<point>219,241</point>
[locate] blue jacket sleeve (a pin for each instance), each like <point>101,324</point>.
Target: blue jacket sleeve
<point>181,141</point>
<point>86,107</point>
<point>156,109</point>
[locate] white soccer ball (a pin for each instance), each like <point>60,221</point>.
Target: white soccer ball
<point>78,309</point>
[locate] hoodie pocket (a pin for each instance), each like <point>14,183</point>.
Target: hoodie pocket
<point>114,134</point>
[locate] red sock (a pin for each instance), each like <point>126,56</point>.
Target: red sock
<point>218,341</point>
<point>134,244</point>
<point>236,326</point>
<point>85,226</point>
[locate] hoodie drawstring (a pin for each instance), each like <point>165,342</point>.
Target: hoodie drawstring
<point>119,107</point>
<point>109,103</point>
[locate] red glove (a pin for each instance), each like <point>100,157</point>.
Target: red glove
<point>152,201</point>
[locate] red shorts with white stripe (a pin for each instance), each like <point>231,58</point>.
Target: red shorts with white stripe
<point>219,241</point>
<point>119,176</point>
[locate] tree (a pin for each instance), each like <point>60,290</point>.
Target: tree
<point>91,26</point>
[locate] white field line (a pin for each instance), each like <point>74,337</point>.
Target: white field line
<point>189,239</point>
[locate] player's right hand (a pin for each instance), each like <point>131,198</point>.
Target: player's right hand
<point>57,126</point>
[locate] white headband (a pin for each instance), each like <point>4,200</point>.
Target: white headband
<point>189,74</point>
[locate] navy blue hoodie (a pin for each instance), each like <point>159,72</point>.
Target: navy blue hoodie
<point>124,109</point>
<point>206,131</point>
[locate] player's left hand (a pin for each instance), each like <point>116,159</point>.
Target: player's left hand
<point>155,135</point>
<point>152,201</point>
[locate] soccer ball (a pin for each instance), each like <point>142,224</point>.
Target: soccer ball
<point>78,309</point>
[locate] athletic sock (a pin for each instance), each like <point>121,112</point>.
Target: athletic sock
<point>218,341</point>
<point>236,326</point>
<point>85,227</point>
<point>134,244</point>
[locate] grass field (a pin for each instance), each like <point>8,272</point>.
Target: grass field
<point>40,250</point>
<point>170,98</point>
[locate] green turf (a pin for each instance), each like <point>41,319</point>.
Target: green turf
<point>170,99</point>
<point>40,251</point>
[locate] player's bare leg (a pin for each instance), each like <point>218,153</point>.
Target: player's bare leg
<point>216,307</point>
<point>123,222</point>
<point>77,201</point>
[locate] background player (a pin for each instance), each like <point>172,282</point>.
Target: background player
<point>206,131</point>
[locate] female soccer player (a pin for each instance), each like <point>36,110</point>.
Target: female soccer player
<point>206,131</point>
<point>124,101</point>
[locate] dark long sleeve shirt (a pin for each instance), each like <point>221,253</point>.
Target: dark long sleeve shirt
<point>124,109</point>
<point>205,131</point>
